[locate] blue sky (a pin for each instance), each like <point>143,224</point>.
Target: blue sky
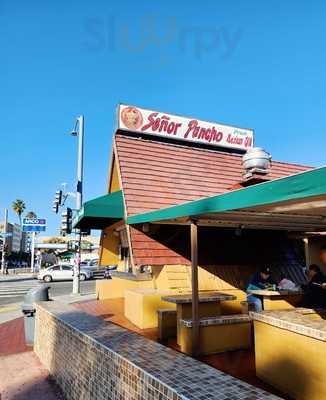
<point>252,64</point>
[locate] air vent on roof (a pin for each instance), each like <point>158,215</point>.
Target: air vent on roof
<point>256,161</point>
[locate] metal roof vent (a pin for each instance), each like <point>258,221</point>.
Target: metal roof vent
<point>256,161</point>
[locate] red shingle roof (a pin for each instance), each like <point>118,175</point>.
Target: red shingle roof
<point>157,175</point>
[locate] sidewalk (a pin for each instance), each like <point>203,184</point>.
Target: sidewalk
<point>22,376</point>
<point>12,311</point>
<point>9,312</point>
<point>16,277</point>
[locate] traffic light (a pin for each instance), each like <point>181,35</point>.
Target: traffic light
<point>55,207</point>
<point>58,197</point>
<point>57,201</point>
<point>66,221</point>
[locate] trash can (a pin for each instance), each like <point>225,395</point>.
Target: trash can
<point>28,308</point>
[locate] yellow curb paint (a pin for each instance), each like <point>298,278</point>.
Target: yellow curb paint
<point>8,308</point>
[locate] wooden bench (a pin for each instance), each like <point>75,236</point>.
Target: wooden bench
<point>167,324</point>
<point>218,334</point>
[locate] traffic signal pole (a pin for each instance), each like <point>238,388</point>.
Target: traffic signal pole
<point>79,200</point>
<point>4,241</point>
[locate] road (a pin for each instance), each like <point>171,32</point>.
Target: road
<point>14,291</point>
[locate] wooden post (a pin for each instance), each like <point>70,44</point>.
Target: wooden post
<point>194,275</point>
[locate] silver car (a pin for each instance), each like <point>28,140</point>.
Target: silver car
<point>63,273</point>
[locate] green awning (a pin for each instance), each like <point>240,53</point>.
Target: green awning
<point>101,212</point>
<point>297,202</point>
<point>66,254</point>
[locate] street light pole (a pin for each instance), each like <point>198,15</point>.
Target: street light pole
<point>4,242</point>
<point>79,197</point>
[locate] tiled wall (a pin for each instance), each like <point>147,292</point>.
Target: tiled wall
<point>95,360</point>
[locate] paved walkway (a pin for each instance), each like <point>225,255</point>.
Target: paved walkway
<point>12,311</point>
<point>22,375</point>
<point>24,378</point>
<point>9,312</point>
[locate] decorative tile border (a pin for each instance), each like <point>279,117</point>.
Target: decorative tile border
<point>203,298</point>
<point>294,320</point>
<point>276,293</point>
<point>220,320</point>
<point>94,359</point>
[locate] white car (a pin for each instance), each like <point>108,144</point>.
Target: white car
<point>63,273</point>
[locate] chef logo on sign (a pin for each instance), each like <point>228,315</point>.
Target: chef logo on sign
<point>132,118</point>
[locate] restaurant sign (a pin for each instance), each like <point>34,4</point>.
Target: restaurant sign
<point>181,128</point>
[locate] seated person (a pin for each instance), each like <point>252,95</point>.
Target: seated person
<point>315,294</point>
<point>259,281</point>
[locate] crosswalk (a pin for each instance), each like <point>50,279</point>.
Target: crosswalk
<point>16,288</point>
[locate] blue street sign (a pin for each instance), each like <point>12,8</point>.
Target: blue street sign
<point>34,221</point>
<point>34,225</point>
<point>3,234</point>
<point>34,228</point>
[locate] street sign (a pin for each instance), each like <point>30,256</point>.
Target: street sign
<point>34,225</point>
<point>6,234</point>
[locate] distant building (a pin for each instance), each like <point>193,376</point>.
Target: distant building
<point>17,240</point>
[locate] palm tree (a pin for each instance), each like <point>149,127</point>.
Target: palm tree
<point>31,214</point>
<point>19,207</point>
<point>54,239</point>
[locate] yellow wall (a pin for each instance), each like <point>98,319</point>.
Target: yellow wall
<point>174,277</point>
<point>293,363</point>
<point>109,251</point>
<point>110,246</point>
<point>288,302</point>
<point>114,184</point>
<point>141,306</point>
<point>115,288</point>
<point>217,338</point>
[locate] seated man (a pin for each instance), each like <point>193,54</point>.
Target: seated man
<point>315,294</point>
<point>259,281</point>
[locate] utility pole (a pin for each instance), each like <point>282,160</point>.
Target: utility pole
<point>79,196</point>
<point>4,241</point>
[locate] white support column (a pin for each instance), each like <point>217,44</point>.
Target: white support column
<point>33,252</point>
<point>4,241</point>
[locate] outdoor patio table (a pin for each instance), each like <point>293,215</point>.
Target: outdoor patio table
<point>209,305</point>
<point>277,300</point>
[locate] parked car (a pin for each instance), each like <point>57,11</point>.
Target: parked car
<point>63,272</point>
<point>90,264</point>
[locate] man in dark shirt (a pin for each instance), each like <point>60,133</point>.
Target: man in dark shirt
<point>315,294</point>
<point>259,281</point>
